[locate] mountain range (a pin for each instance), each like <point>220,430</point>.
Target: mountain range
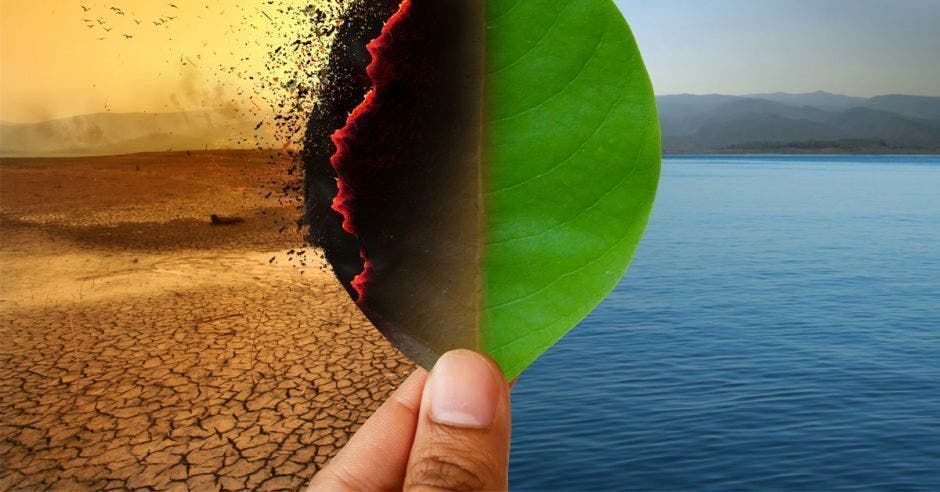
<point>818,122</point>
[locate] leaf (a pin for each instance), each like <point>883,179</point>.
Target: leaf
<point>494,184</point>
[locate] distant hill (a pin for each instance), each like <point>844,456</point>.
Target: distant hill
<point>817,122</point>
<point>911,106</point>
<point>819,99</point>
<point>123,133</point>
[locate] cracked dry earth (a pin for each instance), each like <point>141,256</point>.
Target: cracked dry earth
<point>141,348</point>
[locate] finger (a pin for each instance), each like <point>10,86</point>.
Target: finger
<point>462,441</point>
<point>376,457</point>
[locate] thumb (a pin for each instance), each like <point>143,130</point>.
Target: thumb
<point>462,440</point>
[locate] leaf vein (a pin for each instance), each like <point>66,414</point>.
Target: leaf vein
<point>576,270</point>
<point>589,208</point>
<point>565,88</point>
<point>570,156</point>
<point>580,267</point>
<point>534,45</point>
<point>505,13</point>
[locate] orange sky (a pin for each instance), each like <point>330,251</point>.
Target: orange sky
<point>53,65</point>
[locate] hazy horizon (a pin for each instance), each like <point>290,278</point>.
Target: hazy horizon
<point>199,110</point>
<point>234,116</point>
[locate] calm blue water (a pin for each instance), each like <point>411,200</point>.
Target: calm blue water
<point>779,329</point>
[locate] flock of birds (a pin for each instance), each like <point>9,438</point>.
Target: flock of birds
<point>287,83</point>
<point>105,23</point>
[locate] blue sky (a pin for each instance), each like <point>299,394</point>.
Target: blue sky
<point>855,47</point>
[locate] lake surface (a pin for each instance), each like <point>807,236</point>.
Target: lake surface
<point>779,329</point>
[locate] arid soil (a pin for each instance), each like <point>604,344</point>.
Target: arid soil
<point>143,347</point>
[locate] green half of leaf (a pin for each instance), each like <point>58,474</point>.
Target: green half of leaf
<point>495,182</point>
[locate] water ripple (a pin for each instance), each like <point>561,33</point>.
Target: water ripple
<point>779,329</point>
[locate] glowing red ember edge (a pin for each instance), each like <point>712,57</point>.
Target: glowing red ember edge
<point>343,202</point>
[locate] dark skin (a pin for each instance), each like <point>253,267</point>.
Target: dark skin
<point>447,430</point>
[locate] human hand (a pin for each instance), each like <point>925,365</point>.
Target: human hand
<point>447,430</point>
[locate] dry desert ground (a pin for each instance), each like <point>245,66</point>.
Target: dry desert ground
<point>142,347</point>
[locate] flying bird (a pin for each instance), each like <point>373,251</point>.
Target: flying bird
<point>85,9</point>
<point>128,36</point>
